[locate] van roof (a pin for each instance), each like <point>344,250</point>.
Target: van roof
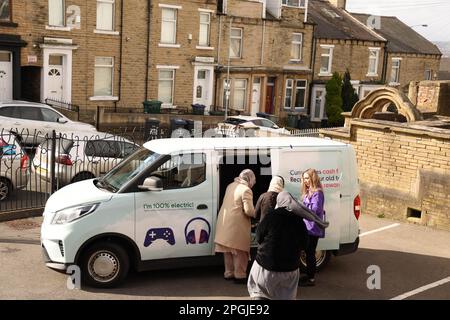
<point>167,146</point>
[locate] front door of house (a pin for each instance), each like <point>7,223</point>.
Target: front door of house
<point>6,76</point>
<point>202,90</point>
<point>55,78</point>
<point>270,96</point>
<point>256,95</point>
<point>318,104</point>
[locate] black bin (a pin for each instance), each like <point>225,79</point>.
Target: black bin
<point>198,109</point>
<point>151,129</point>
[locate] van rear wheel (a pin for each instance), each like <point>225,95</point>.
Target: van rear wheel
<point>105,265</point>
<point>322,259</point>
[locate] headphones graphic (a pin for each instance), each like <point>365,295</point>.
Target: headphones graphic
<point>195,231</point>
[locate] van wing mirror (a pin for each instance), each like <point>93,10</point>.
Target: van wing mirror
<point>152,184</point>
<point>61,120</point>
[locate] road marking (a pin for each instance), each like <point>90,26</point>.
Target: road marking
<point>380,229</point>
<point>422,289</point>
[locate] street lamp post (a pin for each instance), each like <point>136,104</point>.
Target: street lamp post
<point>419,25</point>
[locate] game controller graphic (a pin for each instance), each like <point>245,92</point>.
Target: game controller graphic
<point>159,233</point>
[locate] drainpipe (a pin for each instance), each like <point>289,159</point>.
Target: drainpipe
<point>149,13</point>
<point>120,55</point>
<point>385,63</point>
<point>312,66</point>
<point>263,39</point>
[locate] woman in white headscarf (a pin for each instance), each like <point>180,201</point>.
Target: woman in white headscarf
<point>268,200</point>
<point>234,226</point>
<point>281,236</point>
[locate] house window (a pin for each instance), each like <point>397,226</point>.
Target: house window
<point>205,22</point>
<point>103,78</point>
<point>105,15</point>
<point>56,13</point>
<point>373,61</point>
<point>166,84</point>
<point>395,71</point>
<point>169,26</point>
<point>428,74</point>
<point>297,45</point>
<point>298,100</point>
<point>326,60</point>
<point>240,94</point>
<point>236,43</point>
<point>294,3</point>
<point>5,11</point>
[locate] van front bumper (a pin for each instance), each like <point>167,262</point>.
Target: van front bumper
<point>51,264</point>
<point>347,248</point>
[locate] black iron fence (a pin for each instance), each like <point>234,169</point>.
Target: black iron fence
<point>34,165</point>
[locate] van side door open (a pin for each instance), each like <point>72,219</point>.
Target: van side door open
<point>291,164</point>
<point>177,221</point>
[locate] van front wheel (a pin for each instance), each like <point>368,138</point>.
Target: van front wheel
<point>105,265</point>
<point>322,258</point>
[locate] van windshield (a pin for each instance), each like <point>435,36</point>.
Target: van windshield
<point>127,169</point>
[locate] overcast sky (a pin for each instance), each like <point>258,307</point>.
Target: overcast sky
<point>434,13</point>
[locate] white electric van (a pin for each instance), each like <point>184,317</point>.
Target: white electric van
<point>157,209</point>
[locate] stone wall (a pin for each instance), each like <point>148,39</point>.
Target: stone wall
<point>431,96</point>
<point>404,169</point>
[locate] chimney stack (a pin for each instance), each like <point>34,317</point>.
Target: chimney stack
<point>338,3</point>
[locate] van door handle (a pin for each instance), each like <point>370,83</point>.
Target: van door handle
<point>202,207</point>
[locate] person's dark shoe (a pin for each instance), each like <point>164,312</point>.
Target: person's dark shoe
<point>228,278</point>
<point>240,280</point>
<point>303,278</point>
<point>307,283</point>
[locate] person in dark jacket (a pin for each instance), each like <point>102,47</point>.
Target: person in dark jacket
<point>281,236</point>
<point>268,200</point>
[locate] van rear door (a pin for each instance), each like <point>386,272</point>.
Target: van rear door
<point>291,163</point>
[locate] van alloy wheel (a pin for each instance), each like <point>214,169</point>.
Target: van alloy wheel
<point>322,258</point>
<point>103,266</point>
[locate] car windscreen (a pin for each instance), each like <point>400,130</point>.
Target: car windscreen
<point>126,170</point>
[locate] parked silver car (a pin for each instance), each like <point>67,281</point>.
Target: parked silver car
<point>14,171</point>
<point>80,157</point>
<point>33,121</point>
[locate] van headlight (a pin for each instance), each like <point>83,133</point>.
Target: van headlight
<point>73,213</point>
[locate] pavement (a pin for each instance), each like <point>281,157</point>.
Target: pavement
<point>413,263</point>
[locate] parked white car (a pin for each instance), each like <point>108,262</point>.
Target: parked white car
<point>262,127</point>
<point>33,121</point>
<point>14,172</point>
<point>81,156</point>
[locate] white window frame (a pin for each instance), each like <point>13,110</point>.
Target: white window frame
<point>63,13</point>
<point>288,3</point>
<point>294,88</point>
<point>244,89</point>
<point>394,67</point>
<point>109,97</point>
<point>167,68</point>
<point>174,22</point>
<point>112,2</point>
<point>240,38</point>
<point>299,44</point>
<point>208,29</point>
<point>374,73</point>
<point>428,74</point>
<point>330,60</point>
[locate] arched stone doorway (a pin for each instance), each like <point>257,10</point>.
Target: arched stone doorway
<point>386,99</point>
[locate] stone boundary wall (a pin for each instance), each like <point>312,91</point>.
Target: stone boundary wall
<point>404,169</point>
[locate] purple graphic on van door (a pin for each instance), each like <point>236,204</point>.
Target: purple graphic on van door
<point>197,231</point>
<point>159,233</point>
